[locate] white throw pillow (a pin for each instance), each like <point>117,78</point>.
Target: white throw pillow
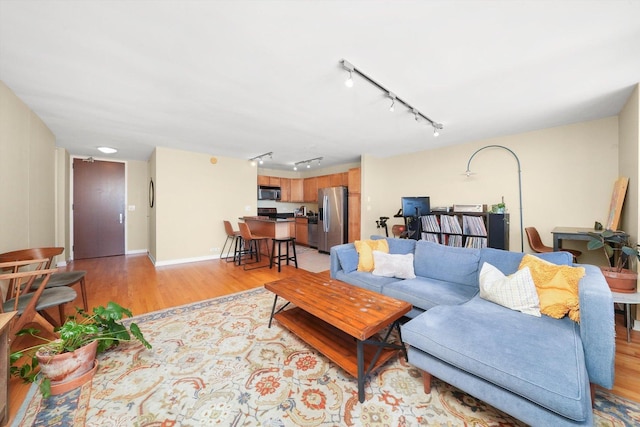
<point>517,291</point>
<point>393,265</point>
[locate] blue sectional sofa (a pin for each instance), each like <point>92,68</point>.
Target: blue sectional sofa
<point>540,370</point>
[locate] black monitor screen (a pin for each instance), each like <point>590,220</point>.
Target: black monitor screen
<point>415,206</point>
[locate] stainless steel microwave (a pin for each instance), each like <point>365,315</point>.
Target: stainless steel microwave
<point>268,193</point>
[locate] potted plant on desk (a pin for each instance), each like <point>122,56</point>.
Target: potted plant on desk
<point>69,361</point>
<point>617,251</point>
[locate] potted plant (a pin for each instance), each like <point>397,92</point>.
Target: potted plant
<point>69,361</point>
<point>617,251</point>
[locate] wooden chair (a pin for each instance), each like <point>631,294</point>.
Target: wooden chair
<point>29,305</point>
<point>250,245</point>
<point>235,238</point>
<point>535,242</point>
<point>63,278</point>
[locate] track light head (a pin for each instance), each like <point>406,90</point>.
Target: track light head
<point>349,81</point>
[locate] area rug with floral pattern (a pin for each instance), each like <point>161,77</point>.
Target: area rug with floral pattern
<point>216,362</point>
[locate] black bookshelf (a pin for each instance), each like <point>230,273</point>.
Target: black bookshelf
<point>466,229</point>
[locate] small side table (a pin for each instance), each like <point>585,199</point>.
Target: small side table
<point>5,321</point>
<point>627,300</point>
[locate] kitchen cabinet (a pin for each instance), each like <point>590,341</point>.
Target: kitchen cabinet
<point>324,181</point>
<point>274,181</point>
<point>311,190</point>
<point>354,180</point>
<point>354,217</point>
<point>302,231</point>
<point>339,179</point>
<point>296,190</point>
<point>285,190</point>
<point>263,180</point>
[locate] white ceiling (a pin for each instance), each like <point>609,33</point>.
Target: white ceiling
<point>242,78</point>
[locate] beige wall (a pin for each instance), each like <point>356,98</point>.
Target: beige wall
<point>629,119</point>
<point>567,178</point>
<point>193,197</point>
<point>629,129</point>
<point>151,228</point>
<point>138,200</point>
<point>27,171</point>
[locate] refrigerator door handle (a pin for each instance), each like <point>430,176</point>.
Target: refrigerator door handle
<point>327,215</point>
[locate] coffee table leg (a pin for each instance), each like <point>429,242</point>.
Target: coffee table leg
<point>361,371</point>
<point>273,309</point>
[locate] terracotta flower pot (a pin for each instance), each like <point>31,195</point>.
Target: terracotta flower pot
<point>625,281</point>
<point>61,368</point>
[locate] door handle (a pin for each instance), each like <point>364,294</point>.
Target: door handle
<point>120,218</point>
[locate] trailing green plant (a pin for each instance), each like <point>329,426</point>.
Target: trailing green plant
<point>615,246</point>
<point>104,326</point>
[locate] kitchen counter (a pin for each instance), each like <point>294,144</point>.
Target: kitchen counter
<point>270,227</point>
<point>267,219</point>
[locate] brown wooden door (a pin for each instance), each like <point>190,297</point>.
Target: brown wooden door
<point>98,208</point>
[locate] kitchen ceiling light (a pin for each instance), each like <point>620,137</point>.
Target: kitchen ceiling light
<point>260,158</point>
<point>349,83</point>
<point>107,150</point>
<point>307,163</point>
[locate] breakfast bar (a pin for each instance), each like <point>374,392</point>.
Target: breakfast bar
<point>278,228</point>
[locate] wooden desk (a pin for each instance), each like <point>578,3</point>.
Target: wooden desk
<point>5,322</point>
<point>572,233</point>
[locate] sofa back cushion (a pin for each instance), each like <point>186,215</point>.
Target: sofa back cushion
<point>398,246</point>
<point>508,262</point>
<point>456,265</point>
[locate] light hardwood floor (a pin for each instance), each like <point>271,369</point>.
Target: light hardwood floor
<point>133,282</point>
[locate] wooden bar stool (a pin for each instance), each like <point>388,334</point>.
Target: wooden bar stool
<point>280,257</point>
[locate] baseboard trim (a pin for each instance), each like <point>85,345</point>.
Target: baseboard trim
<point>137,251</point>
<point>183,260</point>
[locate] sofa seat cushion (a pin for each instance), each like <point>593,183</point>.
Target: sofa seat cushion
<point>539,358</point>
<point>426,293</point>
<point>365,280</point>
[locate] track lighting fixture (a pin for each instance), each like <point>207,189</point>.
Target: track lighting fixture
<point>349,83</point>
<point>307,163</point>
<point>260,158</point>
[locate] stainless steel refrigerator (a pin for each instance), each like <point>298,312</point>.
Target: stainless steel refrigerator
<point>332,217</point>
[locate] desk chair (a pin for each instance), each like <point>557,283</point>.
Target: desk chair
<point>535,242</point>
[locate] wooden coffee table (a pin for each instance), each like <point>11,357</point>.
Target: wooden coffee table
<point>329,314</point>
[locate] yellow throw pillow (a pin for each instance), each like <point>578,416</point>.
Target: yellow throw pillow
<point>365,250</point>
<point>557,287</point>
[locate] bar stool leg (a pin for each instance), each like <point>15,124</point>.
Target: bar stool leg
<point>295,256</point>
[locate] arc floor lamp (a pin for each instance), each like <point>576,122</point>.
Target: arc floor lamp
<point>468,173</point>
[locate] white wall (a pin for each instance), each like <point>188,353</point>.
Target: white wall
<point>567,178</point>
